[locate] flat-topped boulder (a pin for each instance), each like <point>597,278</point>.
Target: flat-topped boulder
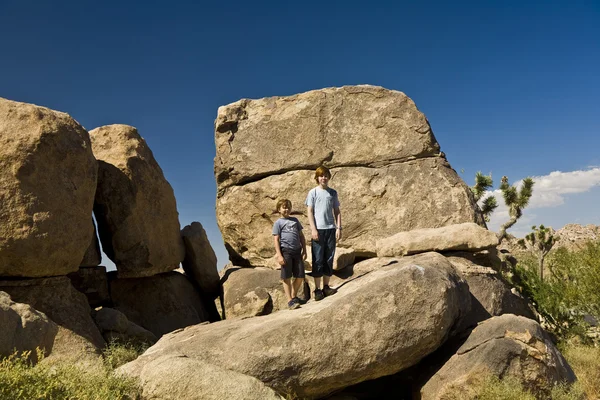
<point>47,183</point>
<point>363,330</point>
<point>135,206</point>
<point>466,237</point>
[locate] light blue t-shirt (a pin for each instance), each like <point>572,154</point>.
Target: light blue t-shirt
<point>323,201</point>
<point>288,230</point>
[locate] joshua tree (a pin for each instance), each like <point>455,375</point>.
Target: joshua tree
<point>482,184</point>
<point>515,200</point>
<point>540,241</point>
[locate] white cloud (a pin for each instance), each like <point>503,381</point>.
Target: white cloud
<point>548,191</point>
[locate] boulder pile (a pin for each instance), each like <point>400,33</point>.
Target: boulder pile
<point>416,271</point>
<point>54,177</point>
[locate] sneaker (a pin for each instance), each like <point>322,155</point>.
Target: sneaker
<point>299,300</point>
<point>292,304</point>
<point>319,295</point>
<point>327,291</point>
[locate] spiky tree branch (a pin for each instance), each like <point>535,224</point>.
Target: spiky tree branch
<point>482,184</point>
<point>540,241</point>
<point>516,201</point>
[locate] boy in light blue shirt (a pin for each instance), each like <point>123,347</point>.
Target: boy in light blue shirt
<point>325,221</point>
<point>290,248</point>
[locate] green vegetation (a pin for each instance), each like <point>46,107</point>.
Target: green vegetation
<point>515,200</point>
<point>117,354</point>
<point>570,291</point>
<point>539,242</point>
<point>22,380</point>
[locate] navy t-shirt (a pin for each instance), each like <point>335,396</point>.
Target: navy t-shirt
<point>289,231</point>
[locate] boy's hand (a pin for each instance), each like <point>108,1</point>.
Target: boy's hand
<point>338,234</point>
<point>304,254</point>
<point>314,234</point>
<point>281,260</point>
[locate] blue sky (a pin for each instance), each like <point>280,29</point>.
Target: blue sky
<point>509,87</point>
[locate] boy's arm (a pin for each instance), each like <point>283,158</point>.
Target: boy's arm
<point>338,222</point>
<point>303,243</point>
<point>314,234</point>
<point>280,258</point>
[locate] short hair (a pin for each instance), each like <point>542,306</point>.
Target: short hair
<point>282,202</point>
<point>322,171</point>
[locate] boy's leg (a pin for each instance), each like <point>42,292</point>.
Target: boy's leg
<point>296,286</point>
<point>328,255</point>
<point>287,288</point>
<point>298,273</point>
<point>317,247</point>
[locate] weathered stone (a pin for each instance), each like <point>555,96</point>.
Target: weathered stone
<point>160,303</point>
<point>135,206</point>
<point>23,328</point>
<point>175,377</point>
<point>491,295</point>
<point>422,193</point>
<point>200,262</point>
<point>92,282</point>
<point>250,292</point>
<point>115,326</point>
<point>47,183</point>
<point>78,339</point>
<point>507,345</point>
<point>465,236</point>
<point>368,329</point>
<point>353,125</point>
<point>575,236</point>
<point>92,256</point>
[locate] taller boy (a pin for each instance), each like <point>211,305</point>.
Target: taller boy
<point>325,221</point>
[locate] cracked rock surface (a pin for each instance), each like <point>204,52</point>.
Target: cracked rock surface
<point>386,165</point>
<point>507,345</point>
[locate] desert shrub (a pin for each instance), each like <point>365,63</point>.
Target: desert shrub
<point>22,380</point>
<point>569,291</point>
<point>117,353</point>
<point>585,361</point>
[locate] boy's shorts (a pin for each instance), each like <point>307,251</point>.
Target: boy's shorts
<point>294,265</point>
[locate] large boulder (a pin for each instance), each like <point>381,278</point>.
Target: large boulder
<point>466,236</point>
<point>377,325</point>
<point>250,292</point>
<point>386,164</point>
<point>135,206</point>
<point>200,262</point>
<point>47,183</point>
<point>115,327</point>
<point>78,339</point>
<point>92,256</point>
<point>175,377</point>
<point>160,303</point>
<point>23,328</point>
<point>502,346</point>
<point>491,295</point>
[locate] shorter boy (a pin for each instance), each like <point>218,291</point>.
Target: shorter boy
<point>290,247</point>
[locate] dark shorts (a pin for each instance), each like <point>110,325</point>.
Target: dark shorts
<point>294,265</point>
<point>323,251</point>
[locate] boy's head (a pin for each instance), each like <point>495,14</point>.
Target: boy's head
<point>284,207</point>
<point>322,171</point>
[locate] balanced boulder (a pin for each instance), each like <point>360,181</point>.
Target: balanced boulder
<point>47,183</point>
<point>386,165</point>
<point>135,206</point>
<point>200,262</point>
<point>377,325</point>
